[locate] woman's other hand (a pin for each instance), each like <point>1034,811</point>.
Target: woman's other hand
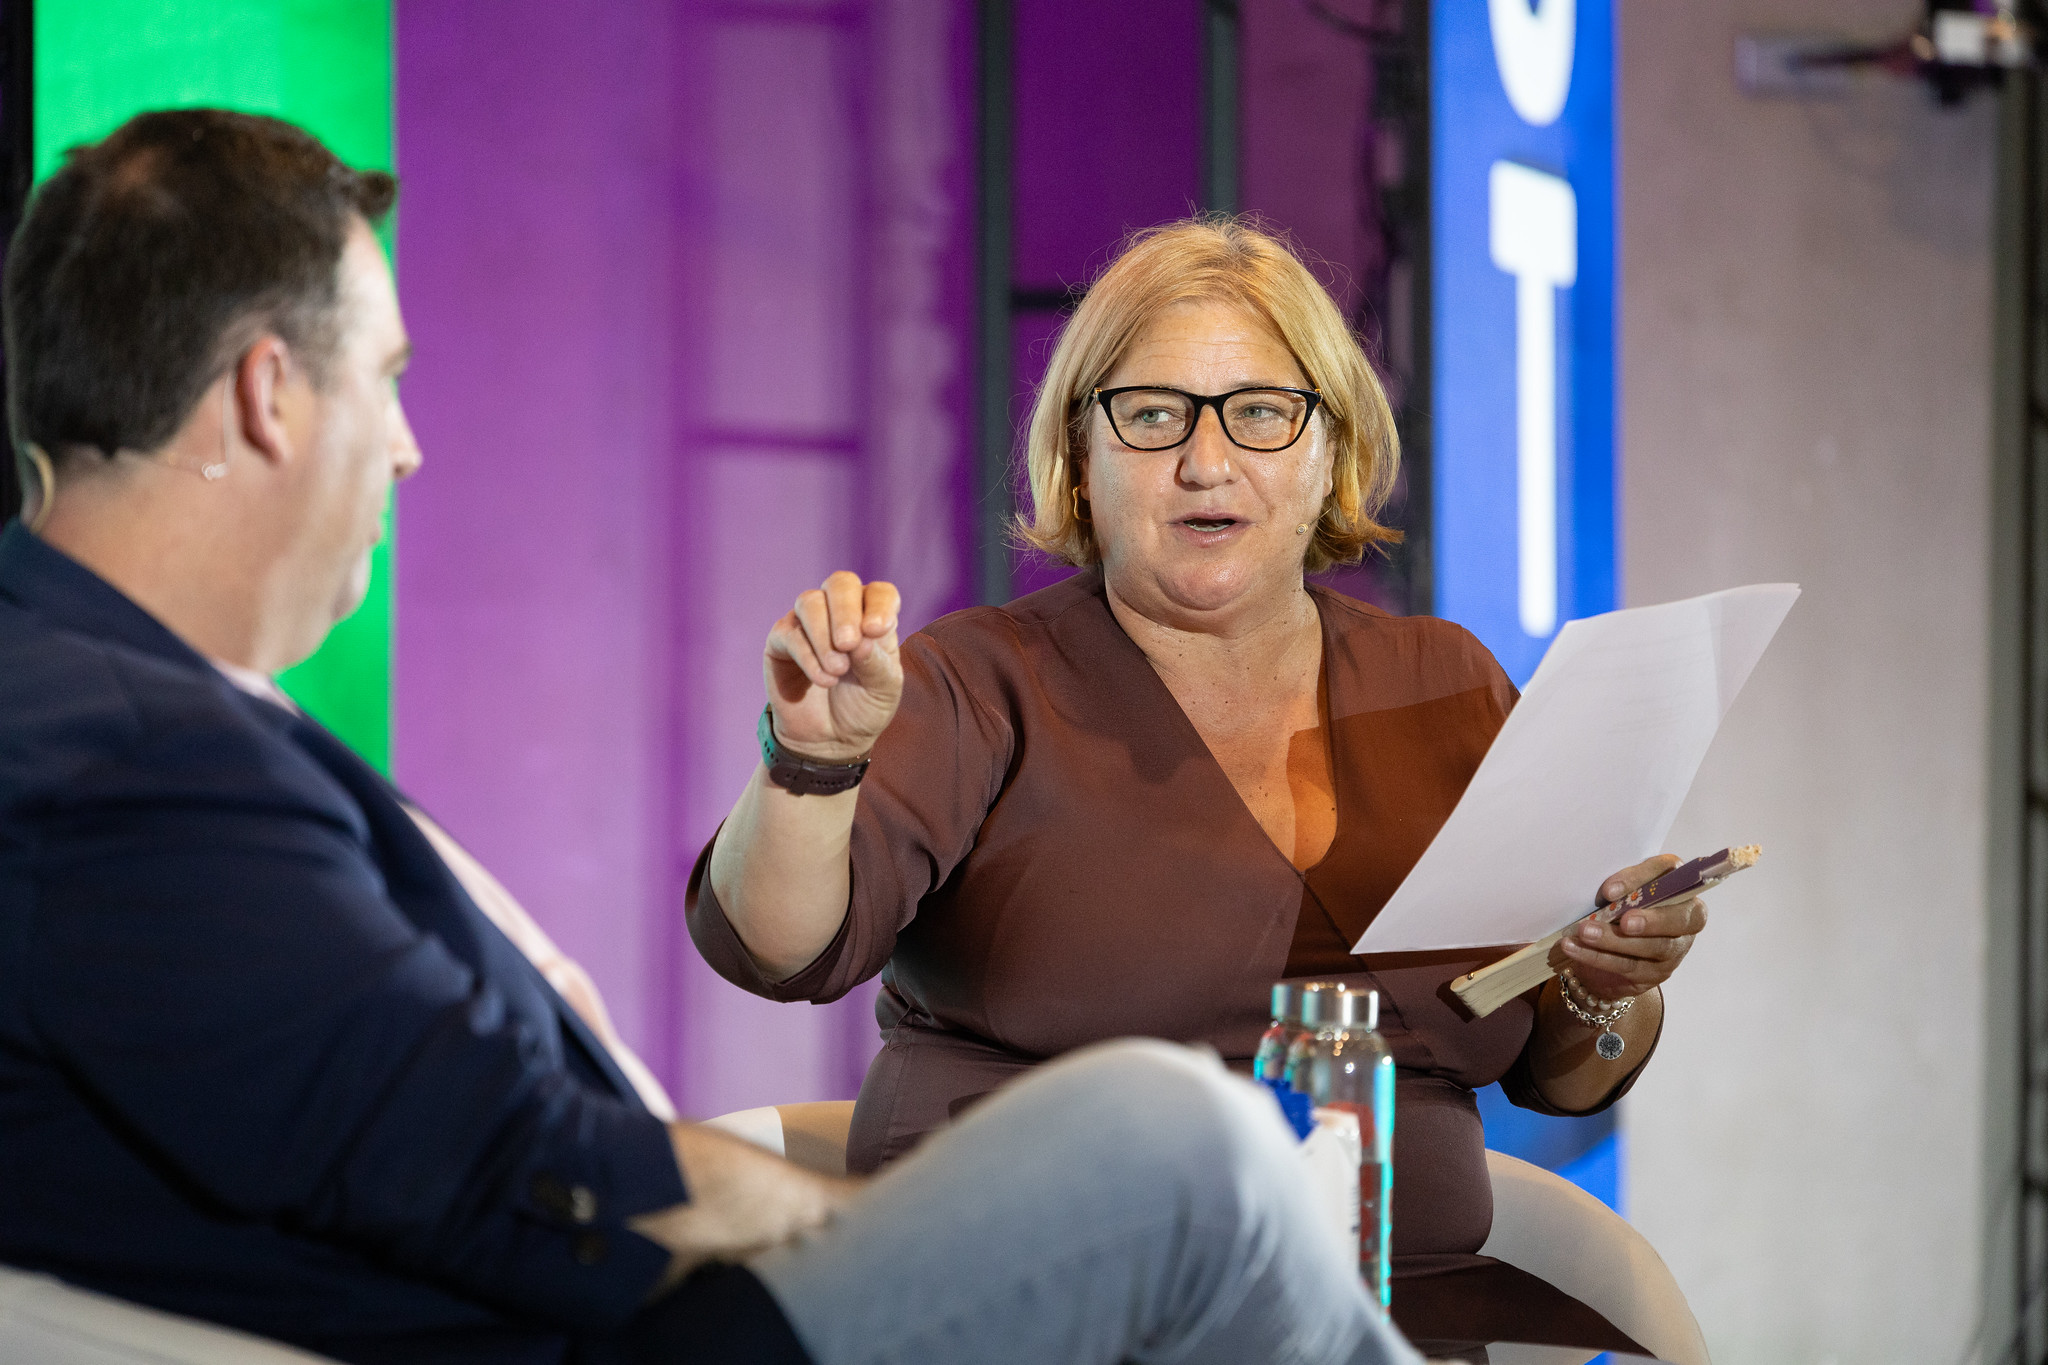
<point>833,668</point>
<point>1642,948</point>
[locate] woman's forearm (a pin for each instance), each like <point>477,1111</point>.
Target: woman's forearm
<point>1567,1070</point>
<point>780,871</point>
<point>834,676</point>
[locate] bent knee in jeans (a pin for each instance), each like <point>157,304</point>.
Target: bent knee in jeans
<point>1176,1109</point>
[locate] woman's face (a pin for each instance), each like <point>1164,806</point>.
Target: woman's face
<point>1207,525</point>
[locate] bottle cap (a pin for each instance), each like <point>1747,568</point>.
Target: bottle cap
<point>1358,1009</point>
<point>1315,1003</point>
<point>1283,1001</point>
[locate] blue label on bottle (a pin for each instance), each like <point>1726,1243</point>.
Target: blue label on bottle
<point>1295,1107</point>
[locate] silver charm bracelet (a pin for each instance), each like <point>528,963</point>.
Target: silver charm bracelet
<point>1597,1014</point>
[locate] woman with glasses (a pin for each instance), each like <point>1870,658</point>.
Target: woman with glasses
<point>1128,803</point>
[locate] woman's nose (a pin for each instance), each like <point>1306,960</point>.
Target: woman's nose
<point>1205,459</point>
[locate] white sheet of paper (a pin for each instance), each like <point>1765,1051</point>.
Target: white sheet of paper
<point>1588,773</point>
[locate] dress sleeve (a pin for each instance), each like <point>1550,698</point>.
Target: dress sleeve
<point>937,770</point>
<point>1519,1085</point>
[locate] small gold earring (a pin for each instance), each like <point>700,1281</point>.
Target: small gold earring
<point>1302,529</point>
<point>1076,500</point>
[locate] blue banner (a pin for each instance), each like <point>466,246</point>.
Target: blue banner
<point>1523,214</point>
<point>1523,211</point>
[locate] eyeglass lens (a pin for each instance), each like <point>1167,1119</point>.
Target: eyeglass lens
<point>1258,419</point>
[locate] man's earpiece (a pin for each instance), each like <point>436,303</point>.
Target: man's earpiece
<point>219,470</point>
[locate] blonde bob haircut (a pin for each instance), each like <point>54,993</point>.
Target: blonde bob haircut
<point>1224,260</point>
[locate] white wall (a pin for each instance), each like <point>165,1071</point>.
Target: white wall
<point>1806,328</point>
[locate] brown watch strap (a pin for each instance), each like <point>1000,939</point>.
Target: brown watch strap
<point>800,773</point>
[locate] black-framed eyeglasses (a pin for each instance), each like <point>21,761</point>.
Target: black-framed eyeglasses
<point>1262,419</point>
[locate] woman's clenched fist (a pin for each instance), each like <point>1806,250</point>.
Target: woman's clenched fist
<point>833,670</point>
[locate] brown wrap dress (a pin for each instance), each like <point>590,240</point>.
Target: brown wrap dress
<point>1046,855</point>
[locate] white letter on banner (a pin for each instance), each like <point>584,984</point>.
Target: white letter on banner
<point>1534,52</point>
<point>1535,238</point>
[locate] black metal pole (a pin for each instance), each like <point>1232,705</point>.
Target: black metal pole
<point>995,436</point>
<point>2032,339</point>
<point>2024,279</point>
<point>1413,210</point>
<point>1220,189</point>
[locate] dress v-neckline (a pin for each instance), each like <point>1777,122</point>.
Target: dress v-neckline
<point>1325,698</point>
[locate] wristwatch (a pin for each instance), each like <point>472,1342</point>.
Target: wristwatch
<point>794,772</point>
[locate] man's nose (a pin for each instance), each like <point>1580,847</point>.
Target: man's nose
<point>1205,459</point>
<point>405,454</point>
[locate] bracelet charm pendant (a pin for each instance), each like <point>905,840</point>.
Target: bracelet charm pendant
<point>1597,1014</point>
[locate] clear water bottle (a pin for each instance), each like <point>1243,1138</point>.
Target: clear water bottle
<point>1311,1010</point>
<point>1351,1070</point>
<point>1269,1063</point>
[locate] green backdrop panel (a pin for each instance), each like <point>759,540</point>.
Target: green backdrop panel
<point>323,64</point>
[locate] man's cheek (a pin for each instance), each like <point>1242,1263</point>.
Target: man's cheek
<point>354,589</point>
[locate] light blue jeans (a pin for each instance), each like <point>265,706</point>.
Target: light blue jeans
<point>1131,1202</point>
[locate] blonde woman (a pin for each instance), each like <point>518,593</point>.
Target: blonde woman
<point>1125,805</point>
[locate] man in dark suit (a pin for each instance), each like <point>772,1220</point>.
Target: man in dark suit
<point>264,1061</point>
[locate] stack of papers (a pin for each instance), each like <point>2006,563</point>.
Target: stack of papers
<point>1588,773</point>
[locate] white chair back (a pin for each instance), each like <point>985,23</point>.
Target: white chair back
<point>1544,1224</point>
<point>44,1321</point>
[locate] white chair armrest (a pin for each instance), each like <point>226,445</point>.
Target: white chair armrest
<point>762,1127</point>
<point>811,1135</point>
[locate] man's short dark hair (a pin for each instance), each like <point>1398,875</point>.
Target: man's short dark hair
<point>153,257</point>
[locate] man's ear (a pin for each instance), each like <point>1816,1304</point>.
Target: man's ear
<point>263,378</point>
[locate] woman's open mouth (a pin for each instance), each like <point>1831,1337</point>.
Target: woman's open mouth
<point>1208,523</point>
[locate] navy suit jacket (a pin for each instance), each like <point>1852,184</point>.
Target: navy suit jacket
<point>262,1061</point>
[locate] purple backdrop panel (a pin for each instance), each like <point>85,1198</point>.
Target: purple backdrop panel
<point>781,527</point>
<point>530,701</point>
<point>786,284</point>
<point>690,290</point>
<point>1310,167</point>
<point>1306,92</point>
<point>1108,120</point>
<point>826,293</point>
<point>1033,336</point>
<point>921,290</point>
<point>1108,140</point>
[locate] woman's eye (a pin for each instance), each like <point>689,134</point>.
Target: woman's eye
<point>1258,412</point>
<point>1154,416</point>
